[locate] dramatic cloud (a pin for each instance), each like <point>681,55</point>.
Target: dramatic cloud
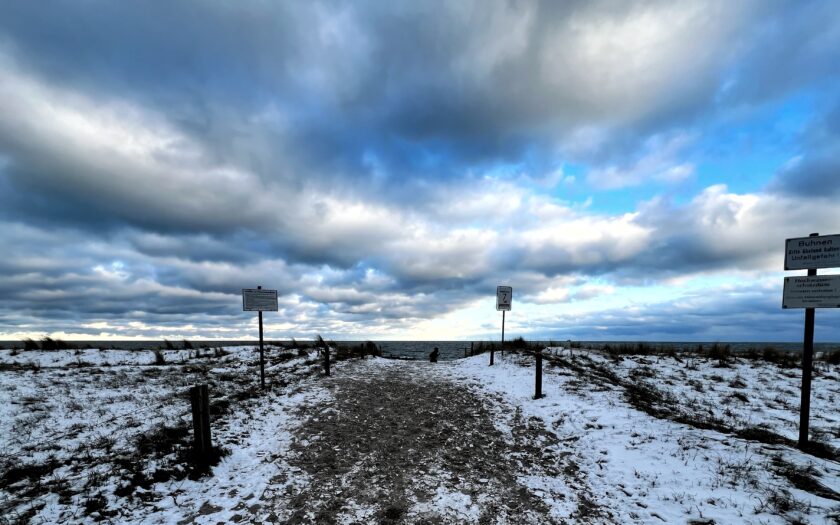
<point>386,165</point>
<point>816,172</point>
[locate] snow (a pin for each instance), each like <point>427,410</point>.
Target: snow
<point>81,411</point>
<point>87,417</point>
<point>653,470</point>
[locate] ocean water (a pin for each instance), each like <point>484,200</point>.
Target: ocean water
<point>455,349</point>
<point>448,349</point>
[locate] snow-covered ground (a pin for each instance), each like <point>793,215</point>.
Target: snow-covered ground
<point>89,435</point>
<point>93,435</point>
<point>653,470</point>
<point>744,393</point>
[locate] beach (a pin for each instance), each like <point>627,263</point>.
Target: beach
<point>104,436</point>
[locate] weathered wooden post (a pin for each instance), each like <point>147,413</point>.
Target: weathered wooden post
<point>200,402</point>
<point>471,349</point>
<point>538,379</point>
<point>326,360</point>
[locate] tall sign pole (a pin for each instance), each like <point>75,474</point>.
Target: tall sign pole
<point>810,292</point>
<point>503,334</point>
<point>504,297</point>
<point>807,364</point>
<point>262,353</point>
<point>259,300</point>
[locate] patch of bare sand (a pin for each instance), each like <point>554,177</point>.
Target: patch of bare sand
<point>398,443</point>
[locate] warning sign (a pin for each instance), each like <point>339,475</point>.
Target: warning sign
<point>818,291</point>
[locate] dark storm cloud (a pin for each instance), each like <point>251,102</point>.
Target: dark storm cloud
<point>154,160</point>
<point>62,280</point>
<point>185,52</point>
<point>744,314</point>
<point>794,49</point>
<point>365,98</point>
<point>816,173</point>
<point>426,90</point>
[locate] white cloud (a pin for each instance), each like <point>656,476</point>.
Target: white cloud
<point>659,163</point>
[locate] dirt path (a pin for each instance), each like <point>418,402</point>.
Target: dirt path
<point>398,443</point>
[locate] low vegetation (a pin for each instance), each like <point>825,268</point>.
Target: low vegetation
<point>103,436</point>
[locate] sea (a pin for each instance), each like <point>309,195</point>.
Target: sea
<point>448,349</point>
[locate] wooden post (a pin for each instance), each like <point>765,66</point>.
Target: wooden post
<point>538,379</point>
<point>200,401</point>
<point>471,349</point>
<point>326,359</point>
<point>807,364</point>
<point>492,353</point>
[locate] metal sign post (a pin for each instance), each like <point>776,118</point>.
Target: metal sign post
<point>810,293</point>
<point>259,300</point>
<point>807,364</point>
<point>262,352</point>
<point>503,334</point>
<point>504,297</point>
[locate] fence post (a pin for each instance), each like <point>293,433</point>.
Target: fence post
<point>327,360</point>
<point>471,349</point>
<point>200,401</point>
<point>538,379</point>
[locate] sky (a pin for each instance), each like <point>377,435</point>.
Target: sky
<point>630,169</point>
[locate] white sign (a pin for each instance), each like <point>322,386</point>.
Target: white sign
<point>818,291</point>
<point>504,296</point>
<point>257,300</point>
<point>804,253</point>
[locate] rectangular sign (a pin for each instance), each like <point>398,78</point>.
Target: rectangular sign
<point>804,253</point>
<point>504,296</point>
<point>256,300</point>
<point>818,291</point>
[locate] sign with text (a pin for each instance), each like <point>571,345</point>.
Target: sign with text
<point>805,253</point>
<point>504,296</point>
<point>258,300</point>
<point>817,291</point>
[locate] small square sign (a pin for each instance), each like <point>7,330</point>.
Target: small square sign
<point>504,296</point>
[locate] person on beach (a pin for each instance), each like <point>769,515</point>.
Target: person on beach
<point>434,355</point>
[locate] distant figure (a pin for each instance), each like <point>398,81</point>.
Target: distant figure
<point>434,355</point>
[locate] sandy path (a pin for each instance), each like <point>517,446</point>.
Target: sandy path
<point>399,443</point>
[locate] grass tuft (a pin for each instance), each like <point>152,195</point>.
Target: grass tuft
<point>48,343</point>
<point>720,352</point>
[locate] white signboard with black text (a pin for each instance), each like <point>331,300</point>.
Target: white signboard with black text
<point>259,300</point>
<point>817,291</point>
<point>504,296</point>
<point>803,253</point>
